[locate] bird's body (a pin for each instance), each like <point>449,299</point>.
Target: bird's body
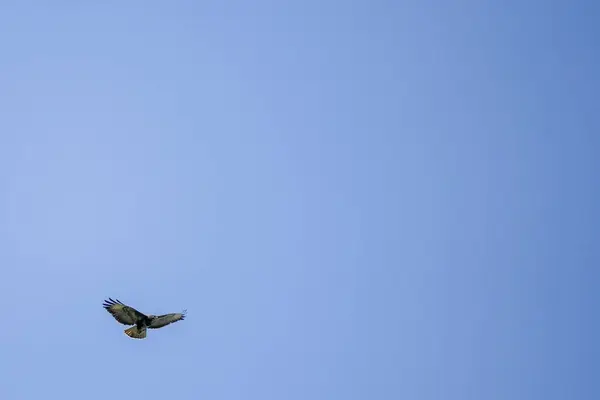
<point>141,322</point>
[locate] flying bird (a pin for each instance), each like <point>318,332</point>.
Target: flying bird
<point>141,322</point>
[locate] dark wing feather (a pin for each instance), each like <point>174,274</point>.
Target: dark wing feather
<point>164,320</point>
<point>122,313</point>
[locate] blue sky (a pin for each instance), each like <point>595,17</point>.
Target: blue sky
<point>353,200</point>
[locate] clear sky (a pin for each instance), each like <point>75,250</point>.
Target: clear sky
<point>353,200</point>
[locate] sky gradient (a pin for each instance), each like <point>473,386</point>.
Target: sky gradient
<point>353,200</point>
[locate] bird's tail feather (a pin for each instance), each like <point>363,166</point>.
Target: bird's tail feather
<point>136,333</point>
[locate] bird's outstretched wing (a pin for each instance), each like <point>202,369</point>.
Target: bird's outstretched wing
<point>122,313</point>
<point>164,320</point>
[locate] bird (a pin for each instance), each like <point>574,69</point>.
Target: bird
<point>127,315</point>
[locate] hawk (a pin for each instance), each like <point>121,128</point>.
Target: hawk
<point>130,316</point>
